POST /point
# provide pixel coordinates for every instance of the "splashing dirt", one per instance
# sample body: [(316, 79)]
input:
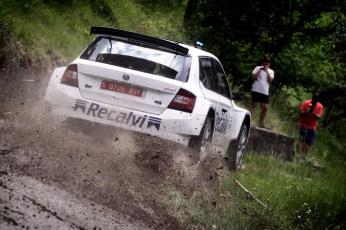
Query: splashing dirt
[(119, 170)]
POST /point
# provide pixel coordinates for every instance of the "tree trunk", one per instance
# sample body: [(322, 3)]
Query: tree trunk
[(190, 9)]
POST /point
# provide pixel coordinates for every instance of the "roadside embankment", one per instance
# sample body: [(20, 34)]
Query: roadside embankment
[(268, 142)]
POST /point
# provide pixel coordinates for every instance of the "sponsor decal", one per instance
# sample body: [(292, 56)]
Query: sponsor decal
[(131, 119), (230, 124), (169, 90), (126, 77), (80, 104), (153, 121), (221, 123)]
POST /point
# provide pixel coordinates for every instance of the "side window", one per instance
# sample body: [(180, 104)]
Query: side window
[(222, 83), (207, 74)]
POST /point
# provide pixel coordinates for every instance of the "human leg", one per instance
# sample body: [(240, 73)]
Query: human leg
[(263, 100), (306, 139), (253, 107), (305, 148), (302, 138), (310, 139), (254, 101), (264, 109)]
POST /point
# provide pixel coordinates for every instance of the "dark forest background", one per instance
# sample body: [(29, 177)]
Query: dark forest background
[(305, 40)]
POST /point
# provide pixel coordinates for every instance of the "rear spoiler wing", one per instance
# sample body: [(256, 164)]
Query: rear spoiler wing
[(131, 36)]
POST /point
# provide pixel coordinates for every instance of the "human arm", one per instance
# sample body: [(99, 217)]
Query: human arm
[(318, 110), (306, 107), (315, 110), (256, 72), (270, 74)]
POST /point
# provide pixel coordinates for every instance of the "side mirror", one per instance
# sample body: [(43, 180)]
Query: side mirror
[(237, 96)]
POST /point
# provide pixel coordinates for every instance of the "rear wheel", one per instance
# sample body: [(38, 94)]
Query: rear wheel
[(236, 150), (200, 142)]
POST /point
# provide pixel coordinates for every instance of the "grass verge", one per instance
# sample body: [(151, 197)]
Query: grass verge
[(299, 195), (61, 28), (303, 194)]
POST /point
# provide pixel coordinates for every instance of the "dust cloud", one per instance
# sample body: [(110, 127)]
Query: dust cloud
[(117, 169)]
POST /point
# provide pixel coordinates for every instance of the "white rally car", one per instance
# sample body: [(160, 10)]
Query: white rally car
[(155, 86)]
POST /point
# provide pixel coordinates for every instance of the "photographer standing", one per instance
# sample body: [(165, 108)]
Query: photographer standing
[(310, 112), (262, 76)]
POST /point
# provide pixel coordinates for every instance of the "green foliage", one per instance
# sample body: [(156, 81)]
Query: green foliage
[(12, 55), (158, 20), (7, 46), (44, 28), (47, 27), (331, 146), (298, 194), (305, 39), (102, 9), (335, 44), (308, 195), (225, 212)]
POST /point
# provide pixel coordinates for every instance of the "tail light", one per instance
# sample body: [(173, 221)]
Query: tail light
[(183, 101), (70, 76)]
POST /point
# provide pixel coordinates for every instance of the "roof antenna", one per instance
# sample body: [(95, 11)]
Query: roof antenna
[(198, 44)]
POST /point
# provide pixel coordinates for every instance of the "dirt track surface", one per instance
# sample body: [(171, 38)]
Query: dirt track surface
[(72, 174), (30, 204)]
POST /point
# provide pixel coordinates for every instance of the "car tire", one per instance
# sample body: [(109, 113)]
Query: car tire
[(200, 142), (236, 149)]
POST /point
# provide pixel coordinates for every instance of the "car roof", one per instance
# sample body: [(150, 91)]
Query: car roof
[(193, 51)]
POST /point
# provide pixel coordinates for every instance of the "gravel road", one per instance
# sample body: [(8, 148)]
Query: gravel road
[(68, 174)]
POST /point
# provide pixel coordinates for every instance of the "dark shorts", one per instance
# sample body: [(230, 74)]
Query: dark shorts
[(307, 136), (259, 97)]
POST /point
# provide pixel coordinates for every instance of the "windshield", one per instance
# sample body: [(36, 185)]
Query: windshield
[(138, 56)]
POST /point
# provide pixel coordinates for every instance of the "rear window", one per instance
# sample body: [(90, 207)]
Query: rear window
[(138, 56)]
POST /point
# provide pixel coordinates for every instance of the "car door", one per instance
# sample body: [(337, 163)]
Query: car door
[(214, 89), (224, 121)]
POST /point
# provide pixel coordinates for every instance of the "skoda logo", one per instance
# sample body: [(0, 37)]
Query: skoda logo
[(126, 77)]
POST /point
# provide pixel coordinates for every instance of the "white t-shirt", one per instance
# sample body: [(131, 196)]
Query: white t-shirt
[(261, 85)]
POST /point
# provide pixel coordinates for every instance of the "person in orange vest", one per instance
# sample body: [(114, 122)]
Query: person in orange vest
[(310, 112)]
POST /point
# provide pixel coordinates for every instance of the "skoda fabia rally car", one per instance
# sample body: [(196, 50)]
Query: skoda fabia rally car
[(154, 86)]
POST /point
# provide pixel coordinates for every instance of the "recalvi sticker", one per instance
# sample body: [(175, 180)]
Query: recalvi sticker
[(131, 119)]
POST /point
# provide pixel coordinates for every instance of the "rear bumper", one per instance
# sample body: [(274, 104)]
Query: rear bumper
[(171, 124)]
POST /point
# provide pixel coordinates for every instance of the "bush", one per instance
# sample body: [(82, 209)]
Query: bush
[(11, 52), (102, 9)]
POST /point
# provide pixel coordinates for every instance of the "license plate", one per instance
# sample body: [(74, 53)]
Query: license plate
[(121, 88)]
